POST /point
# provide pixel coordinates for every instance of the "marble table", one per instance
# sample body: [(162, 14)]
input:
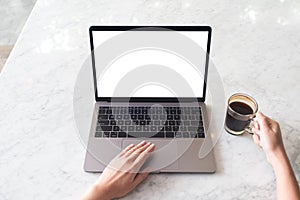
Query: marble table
[(256, 48)]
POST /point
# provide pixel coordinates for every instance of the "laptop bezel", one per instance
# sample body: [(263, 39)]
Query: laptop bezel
[(149, 28)]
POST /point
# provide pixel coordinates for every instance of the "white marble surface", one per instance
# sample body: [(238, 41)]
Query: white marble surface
[(14, 14), (256, 47)]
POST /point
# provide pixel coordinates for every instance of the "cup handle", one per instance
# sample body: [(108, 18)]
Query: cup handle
[(248, 129)]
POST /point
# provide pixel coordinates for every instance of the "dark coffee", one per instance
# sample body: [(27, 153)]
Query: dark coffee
[(241, 108), (234, 123)]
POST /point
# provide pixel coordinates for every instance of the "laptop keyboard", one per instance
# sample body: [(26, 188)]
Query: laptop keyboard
[(154, 122)]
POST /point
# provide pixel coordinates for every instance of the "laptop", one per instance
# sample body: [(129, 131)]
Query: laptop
[(146, 89)]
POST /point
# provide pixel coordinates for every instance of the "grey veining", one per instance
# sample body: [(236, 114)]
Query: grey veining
[(255, 48)]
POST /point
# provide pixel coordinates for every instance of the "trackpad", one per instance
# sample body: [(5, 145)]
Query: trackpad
[(164, 157)]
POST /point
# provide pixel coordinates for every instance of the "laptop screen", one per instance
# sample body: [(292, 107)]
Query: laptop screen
[(148, 71)]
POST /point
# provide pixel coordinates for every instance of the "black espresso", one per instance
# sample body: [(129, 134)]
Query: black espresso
[(234, 123)]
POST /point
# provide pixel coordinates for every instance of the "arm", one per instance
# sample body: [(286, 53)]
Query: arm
[(122, 174), (267, 135)]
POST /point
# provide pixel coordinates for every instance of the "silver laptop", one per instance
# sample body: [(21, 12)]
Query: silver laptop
[(150, 84)]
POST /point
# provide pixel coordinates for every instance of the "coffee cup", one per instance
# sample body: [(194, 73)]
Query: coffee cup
[(241, 110)]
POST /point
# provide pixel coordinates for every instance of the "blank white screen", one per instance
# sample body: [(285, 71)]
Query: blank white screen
[(124, 64)]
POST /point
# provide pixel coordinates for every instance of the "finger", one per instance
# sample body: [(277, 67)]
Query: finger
[(263, 120), (256, 140), (138, 151), (126, 149), (141, 176), (256, 125), (140, 160), (129, 147), (254, 131), (129, 152), (275, 126)]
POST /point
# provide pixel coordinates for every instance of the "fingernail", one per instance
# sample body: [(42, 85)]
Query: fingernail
[(142, 142)]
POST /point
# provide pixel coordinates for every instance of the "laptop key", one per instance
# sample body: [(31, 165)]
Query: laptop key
[(168, 128), (193, 135), (175, 128), (193, 128), (127, 122), (186, 123), (162, 117), (160, 134), (195, 111), (102, 117), (123, 128), (131, 134), (122, 134), (106, 128), (186, 135), (138, 128), (178, 135), (169, 134), (120, 122), (156, 122), (106, 134), (153, 128), (194, 123), (113, 134), (201, 135), (201, 123), (116, 128), (102, 111), (191, 117), (200, 130), (98, 134), (183, 128), (103, 122), (130, 128), (171, 123)]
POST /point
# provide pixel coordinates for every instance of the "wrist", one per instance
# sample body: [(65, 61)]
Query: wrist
[(277, 157), (103, 191), (97, 192)]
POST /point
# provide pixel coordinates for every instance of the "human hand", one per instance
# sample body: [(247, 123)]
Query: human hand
[(122, 174), (267, 135)]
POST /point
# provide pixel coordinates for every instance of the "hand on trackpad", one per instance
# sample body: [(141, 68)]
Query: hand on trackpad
[(165, 155)]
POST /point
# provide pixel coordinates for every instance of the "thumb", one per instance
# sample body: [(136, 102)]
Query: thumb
[(141, 176), (262, 120)]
